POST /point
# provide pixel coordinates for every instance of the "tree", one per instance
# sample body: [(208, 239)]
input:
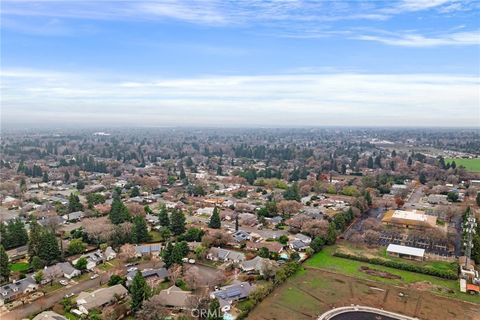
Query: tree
[(76, 246), (116, 279), (292, 192), (370, 163), (139, 291), (478, 199), (34, 239), (368, 198), (66, 177), (422, 178), (135, 192), (167, 255), (140, 230), (4, 266), (163, 217), (49, 250), (317, 244), (263, 252), (119, 212), (81, 263), (331, 234), (214, 312), (215, 222), (177, 222), (38, 276), (74, 203), (80, 185), (45, 177), (37, 263), (452, 196)]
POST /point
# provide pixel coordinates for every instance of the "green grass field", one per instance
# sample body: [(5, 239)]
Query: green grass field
[(19, 266), (325, 260), (472, 165)]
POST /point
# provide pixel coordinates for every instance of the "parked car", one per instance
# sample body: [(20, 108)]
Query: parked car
[(63, 282), (94, 276), (132, 269), (191, 261), (69, 295)]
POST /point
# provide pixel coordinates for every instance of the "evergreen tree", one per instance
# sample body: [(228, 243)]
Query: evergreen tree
[(81, 264), (331, 234), (135, 192), (34, 240), (139, 291), (45, 177), (368, 198), (478, 199), (4, 266), (140, 230), (370, 163), (167, 255), (74, 203), (37, 263), (80, 185), (119, 212), (422, 178), (215, 222), (177, 222), (183, 176), (177, 254), (409, 161), (163, 217), (49, 249), (292, 192), (66, 177), (219, 171)]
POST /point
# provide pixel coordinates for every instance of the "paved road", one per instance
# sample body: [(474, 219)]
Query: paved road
[(414, 198)]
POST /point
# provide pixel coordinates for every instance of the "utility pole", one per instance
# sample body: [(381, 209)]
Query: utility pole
[(469, 227)]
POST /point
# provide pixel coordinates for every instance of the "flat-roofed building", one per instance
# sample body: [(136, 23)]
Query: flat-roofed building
[(412, 219), (406, 252)]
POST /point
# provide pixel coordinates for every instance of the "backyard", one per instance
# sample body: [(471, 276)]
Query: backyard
[(19, 266)]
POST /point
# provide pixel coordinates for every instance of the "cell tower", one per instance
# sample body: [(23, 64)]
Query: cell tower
[(469, 227)]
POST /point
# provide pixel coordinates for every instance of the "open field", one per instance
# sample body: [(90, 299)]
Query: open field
[(325, 260), (312, 292), (472, 165)]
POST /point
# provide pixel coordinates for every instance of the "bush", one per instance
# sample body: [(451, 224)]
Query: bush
[(401, 265)]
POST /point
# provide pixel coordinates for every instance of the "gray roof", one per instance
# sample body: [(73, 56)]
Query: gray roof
[(66, 267), (77, 215), (12, 289), (298, 244), (224, 254), (148, 248), (160, 273), (253, 264), (234, 292), (241, 235)]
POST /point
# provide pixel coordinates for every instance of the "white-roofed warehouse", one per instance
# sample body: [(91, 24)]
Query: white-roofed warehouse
[(406, 252)]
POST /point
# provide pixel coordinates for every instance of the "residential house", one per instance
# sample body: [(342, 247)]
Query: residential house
[(148, 249), (93, 259), (305, 239), (69, 272), (256, 265), (87, 301), (73, 216), (12, 291), (109, 254), (298, 245), (272, 246), (219, 254), (228, 294), (174, 297), (151, 275), (49, 315), (241, 235)]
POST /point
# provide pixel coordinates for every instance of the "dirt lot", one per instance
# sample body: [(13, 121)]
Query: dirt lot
[(313, 292)]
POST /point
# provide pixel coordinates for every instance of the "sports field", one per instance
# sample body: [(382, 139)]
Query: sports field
[(472, 165)]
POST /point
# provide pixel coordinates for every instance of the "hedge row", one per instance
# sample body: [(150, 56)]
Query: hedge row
[(400, 265), (282, 274)]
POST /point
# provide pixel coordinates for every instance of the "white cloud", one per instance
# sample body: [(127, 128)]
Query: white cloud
[(417, 40), (290, 99)]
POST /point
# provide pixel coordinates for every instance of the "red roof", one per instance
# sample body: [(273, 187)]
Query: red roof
[(472, 287)]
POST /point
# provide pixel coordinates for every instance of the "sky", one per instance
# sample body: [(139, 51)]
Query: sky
[(247, 63)]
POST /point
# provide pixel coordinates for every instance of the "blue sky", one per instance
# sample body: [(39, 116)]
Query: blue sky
[(241, 63)]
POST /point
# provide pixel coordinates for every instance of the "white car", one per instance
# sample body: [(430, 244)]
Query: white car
[(133, 269), (191, 261), (63, 282), (94, 276), (69, 295)]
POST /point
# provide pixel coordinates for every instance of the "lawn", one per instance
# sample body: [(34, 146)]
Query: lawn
[(325, 260), (155, 236), (19, 266), (472, 165)]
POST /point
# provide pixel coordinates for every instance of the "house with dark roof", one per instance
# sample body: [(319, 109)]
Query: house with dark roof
[(241, 235), (229, 294), (10, 292), (93, 259), (298, 245), (148, 249), (49, 315)]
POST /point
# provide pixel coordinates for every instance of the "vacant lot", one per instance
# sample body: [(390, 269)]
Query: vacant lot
[(312, 292), (472, 165)]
